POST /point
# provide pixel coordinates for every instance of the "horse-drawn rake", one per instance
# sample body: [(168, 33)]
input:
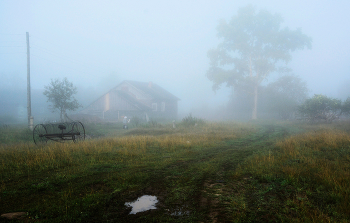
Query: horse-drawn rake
[(59, 132)]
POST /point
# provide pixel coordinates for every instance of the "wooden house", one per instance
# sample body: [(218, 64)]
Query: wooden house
[(133, 98)]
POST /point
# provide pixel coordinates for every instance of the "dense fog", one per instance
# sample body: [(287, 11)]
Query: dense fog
[(99, 44)]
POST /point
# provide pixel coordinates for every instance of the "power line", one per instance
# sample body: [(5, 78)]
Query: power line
[(38, 47), (56, 63), (10, 34), (43, 40), (12, 46), (64, 57), (55, 54), (11, 41), (14, 53)]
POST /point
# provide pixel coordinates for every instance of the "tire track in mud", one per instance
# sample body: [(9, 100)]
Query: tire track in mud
[(225, 159), (234, 154), (202, 202)]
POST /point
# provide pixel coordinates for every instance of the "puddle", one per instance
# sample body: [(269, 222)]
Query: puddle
[(143, 203)]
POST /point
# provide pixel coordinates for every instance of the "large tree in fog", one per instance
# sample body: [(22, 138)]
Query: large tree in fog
[(253, 45)]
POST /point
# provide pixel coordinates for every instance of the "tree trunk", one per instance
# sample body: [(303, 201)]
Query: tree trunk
[(255, 106), (61, 117)]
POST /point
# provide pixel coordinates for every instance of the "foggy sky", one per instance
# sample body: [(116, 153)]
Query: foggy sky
[(97, 44)]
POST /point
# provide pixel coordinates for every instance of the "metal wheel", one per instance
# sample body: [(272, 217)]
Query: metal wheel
[(78, 132), (49, 128), (38, 134)]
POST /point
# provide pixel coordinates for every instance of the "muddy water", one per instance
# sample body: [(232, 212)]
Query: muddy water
[(143, 203)]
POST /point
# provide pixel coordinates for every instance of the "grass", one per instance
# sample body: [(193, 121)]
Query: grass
[(301, 178), (214, 172), (312, 169), (15, 134)]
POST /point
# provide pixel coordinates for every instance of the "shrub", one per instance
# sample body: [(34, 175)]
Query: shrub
[(191, 121), (136, 121), (321, 107), (346, 107)]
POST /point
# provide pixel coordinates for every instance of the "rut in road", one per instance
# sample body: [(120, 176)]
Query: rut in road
[(193, 189), (217, 184)]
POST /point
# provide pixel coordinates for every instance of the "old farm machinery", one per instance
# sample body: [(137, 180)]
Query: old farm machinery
[(59, 132)]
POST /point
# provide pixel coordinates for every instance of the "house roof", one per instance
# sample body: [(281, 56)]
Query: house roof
[(132, 100), (153, 90), (150, 88)]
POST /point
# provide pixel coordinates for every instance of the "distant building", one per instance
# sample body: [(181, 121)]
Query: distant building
[(133, 98)]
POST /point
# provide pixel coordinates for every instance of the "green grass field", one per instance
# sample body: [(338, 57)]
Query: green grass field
[(214, 172)]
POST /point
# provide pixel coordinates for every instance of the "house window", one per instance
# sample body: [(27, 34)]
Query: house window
[(154, 106), (162, 107)]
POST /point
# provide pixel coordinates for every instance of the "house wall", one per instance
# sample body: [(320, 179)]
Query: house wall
[(170, 111), (112, 106), (110, 101)]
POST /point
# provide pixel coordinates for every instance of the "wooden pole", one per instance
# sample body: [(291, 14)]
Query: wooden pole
[(29, 106)]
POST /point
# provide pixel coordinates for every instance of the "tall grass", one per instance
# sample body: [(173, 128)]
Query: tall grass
[(24, 157), (15, 134), (317, 164), (76, 179)]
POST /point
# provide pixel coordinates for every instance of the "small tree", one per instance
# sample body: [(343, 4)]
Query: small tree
[(60, 94), (321, 107)]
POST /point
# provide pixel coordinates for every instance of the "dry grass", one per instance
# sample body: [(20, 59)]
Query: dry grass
[(24, 157), (301, 178), (318, 165), (79, 180)]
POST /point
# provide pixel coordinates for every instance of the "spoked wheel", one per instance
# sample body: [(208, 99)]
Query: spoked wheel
[(78, 132), (38, 134)]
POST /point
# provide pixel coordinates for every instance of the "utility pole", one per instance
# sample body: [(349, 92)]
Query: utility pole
[(29, 106)]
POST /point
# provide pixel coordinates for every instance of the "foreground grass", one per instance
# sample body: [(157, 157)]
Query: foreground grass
[(211, 173), (303, 178), (91, 181), (15, 134)]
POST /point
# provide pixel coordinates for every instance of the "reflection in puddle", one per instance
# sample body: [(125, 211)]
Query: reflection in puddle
[(143, 203)]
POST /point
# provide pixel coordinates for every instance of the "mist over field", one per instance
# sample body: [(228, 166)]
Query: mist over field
[(98, 44), (215, 111)]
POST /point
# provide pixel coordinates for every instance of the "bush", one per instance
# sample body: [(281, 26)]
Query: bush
[(135, 121), (191, 121), (321, 107), (346, 107)]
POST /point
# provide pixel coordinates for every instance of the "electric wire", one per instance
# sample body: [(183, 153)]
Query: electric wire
[(11, 34), (35, 46), (80, 71)]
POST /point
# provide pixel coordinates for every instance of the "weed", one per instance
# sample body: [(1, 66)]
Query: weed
[(191, 121)]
